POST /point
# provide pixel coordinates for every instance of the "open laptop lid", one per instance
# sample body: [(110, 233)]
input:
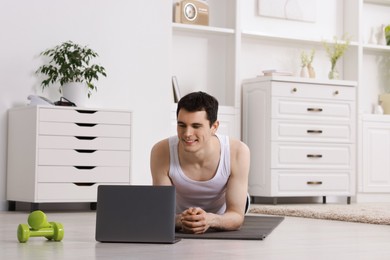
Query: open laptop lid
[(141, 214)]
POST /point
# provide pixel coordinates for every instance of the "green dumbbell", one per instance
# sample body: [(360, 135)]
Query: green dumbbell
[(40, 228)]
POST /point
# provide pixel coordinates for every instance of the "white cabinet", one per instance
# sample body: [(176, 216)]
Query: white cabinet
[(301, 134), (375, 177), (61, 154)]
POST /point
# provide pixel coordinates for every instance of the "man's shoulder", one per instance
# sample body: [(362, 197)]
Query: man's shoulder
[(236, 142), (161, 145), (237, 146)]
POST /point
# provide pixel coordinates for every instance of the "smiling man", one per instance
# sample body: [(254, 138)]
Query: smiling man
[(210, 171)]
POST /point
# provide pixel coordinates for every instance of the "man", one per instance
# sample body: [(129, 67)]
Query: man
[(209, 171)]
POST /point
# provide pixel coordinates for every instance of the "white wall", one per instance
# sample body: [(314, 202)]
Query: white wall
[(287, 56), (133, 39)]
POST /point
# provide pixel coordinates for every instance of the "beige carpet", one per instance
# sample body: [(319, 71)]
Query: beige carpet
[(372, 213)]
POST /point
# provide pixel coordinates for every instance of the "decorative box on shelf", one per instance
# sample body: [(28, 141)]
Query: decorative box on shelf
[(301, 133), (61, 154)]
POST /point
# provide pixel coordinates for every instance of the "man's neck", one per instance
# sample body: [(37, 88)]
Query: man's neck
[(202, 164)]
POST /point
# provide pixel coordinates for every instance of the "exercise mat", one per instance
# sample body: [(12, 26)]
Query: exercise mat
[(254, 228)]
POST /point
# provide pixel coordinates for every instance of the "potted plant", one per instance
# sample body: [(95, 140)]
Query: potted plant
[(307, 69), (335, 51), (70, 66), (387, 34)]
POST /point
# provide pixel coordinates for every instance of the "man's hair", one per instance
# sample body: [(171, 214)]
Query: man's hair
[(199, 101)]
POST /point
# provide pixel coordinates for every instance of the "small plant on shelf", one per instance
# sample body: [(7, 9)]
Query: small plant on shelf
[(387, 35), (335, 51), (306, 64)]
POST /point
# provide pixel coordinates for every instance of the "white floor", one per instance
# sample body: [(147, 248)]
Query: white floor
[(294, 238)]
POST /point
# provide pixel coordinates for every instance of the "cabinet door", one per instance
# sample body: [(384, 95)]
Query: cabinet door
[(376, 154)]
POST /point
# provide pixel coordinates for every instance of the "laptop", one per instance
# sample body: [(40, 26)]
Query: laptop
[(135, 214)]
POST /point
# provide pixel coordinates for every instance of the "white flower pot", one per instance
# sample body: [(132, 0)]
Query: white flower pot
[(76, 92)]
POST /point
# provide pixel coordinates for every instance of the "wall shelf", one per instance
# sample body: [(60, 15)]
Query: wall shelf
[(267, 36), (376, 48), (201, 29), (379, 2)]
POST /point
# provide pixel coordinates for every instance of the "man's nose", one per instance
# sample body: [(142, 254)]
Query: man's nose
[(188, 131)]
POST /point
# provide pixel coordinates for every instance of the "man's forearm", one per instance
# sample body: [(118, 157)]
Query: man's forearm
[(226, 221)]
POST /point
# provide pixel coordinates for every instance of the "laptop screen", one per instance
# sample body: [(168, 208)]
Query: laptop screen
[(130, 213)]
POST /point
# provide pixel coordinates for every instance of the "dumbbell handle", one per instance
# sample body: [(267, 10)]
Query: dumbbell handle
[(43, 232)]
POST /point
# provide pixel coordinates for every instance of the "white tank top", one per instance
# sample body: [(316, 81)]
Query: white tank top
[(208, 195)]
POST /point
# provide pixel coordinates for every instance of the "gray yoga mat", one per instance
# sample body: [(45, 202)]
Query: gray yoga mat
[(254, 228)]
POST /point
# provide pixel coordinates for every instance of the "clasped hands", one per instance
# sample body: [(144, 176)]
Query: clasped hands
[(194, 220)]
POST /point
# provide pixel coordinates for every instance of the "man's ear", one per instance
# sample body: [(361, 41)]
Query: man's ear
[(214, 127)]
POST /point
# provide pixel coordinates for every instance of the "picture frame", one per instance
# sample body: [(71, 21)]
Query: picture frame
[(298, 10), (176, 90)]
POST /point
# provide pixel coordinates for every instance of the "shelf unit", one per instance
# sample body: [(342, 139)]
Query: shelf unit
[(239, 43), (204, 58)]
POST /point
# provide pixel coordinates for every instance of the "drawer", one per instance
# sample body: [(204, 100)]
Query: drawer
[(312, 91), (295, 182), (72, 129), (285, 155), (312, 109), (83, 174), (73, 115), (312, 131), (83, 142), (68, 192), (83, 158)]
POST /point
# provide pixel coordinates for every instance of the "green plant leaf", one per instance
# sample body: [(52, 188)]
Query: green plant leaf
[(70, 62)]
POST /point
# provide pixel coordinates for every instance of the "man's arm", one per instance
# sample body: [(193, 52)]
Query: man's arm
[(159, 166), (196, 220), (159, 163), (237, 188)]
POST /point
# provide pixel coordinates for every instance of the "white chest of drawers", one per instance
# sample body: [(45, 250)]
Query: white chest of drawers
[(61, 154), (301, 134)]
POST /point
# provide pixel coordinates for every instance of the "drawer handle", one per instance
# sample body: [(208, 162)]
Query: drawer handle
[(336, 93), (84, 151), (86, 111), (294, 90), (312, 109), (84, 184), (85, 167), (86, 137), (314, 156), (314, 131), (85, 124), (314, 182)]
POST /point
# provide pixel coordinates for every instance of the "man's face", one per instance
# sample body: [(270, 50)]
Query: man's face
[(193, 129)]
